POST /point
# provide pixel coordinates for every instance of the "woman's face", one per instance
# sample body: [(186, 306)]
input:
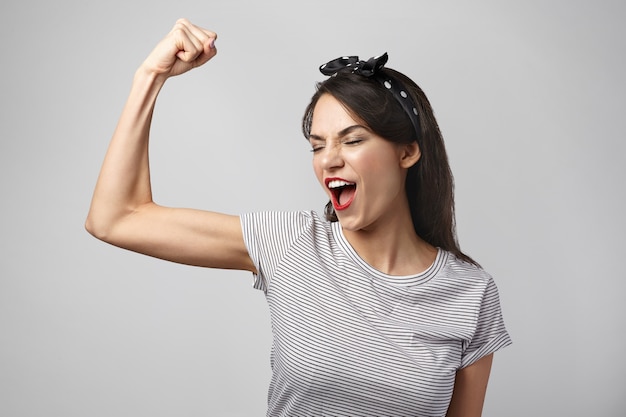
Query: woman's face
[(362, 173)]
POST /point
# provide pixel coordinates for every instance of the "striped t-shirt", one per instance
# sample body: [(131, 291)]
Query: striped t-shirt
[(349, 340)]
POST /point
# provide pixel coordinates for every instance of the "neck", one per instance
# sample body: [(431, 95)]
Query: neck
[(393, 247)]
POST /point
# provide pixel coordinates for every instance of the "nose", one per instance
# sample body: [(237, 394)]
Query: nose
[(331, 158)]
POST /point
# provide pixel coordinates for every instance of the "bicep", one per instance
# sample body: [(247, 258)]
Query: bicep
[(470, 387), (187, 236)]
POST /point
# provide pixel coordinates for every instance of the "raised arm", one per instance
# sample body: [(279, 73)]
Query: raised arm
[(122, 211)]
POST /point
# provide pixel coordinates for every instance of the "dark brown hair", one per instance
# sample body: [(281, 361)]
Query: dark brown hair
[(429, 183)]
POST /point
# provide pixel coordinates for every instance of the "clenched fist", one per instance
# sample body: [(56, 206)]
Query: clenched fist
[(185, 47)]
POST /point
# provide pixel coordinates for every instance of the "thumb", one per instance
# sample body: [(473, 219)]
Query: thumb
[(197, 54)]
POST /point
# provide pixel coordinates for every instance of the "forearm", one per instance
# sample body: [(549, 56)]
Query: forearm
[(124, 181)]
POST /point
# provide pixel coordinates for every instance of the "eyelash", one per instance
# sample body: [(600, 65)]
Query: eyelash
[(348, 142)]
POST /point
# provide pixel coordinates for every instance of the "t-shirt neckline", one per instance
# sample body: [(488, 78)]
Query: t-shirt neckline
[(400, 280)]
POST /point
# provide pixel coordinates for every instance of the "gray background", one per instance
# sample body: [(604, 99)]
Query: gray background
[(530, 96)]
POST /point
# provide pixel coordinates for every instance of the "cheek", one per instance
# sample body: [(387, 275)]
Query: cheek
[(376, 164), (383, 172)]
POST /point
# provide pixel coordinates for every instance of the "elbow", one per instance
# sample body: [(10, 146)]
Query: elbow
[(111, 226), (98, 227), (94, 229)]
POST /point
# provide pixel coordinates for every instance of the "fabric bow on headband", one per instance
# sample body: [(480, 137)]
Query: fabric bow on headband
[(367, 68), (372, 69)]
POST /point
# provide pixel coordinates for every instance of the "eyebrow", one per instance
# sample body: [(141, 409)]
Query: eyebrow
[(342, 132)]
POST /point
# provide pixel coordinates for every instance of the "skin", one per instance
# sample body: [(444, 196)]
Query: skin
[(470, 387), (344, 147), (123, 213)]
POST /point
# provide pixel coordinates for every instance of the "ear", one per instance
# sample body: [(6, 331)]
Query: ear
[(409, 154)]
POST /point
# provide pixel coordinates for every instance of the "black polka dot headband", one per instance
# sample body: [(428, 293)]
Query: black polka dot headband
[(372, 69)]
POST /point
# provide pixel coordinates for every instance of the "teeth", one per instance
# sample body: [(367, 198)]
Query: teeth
[(338, 183)]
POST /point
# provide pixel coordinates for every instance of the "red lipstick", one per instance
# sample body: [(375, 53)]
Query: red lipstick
[(342, 192)]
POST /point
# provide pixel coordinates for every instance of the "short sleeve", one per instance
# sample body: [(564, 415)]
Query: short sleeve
[(490, 333), (268, 236)]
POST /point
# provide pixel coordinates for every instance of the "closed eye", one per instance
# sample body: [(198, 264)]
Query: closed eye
[(316, 144), (354, 141)]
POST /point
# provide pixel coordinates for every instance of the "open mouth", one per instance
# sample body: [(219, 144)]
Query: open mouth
[(342, 192)]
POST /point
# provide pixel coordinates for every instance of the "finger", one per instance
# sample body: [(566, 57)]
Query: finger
[(202, 39), (205, 56), (211, 44), (189, 47), (206, 37)]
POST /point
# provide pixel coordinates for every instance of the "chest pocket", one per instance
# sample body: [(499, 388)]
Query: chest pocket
[(422, 326)]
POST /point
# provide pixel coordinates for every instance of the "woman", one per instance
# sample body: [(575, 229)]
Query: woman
[(375, 310)]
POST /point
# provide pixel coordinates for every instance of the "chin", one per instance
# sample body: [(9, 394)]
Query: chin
[(351, 224)]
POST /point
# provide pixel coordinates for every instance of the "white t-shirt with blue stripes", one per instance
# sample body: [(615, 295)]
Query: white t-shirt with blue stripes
[(349, 340)]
